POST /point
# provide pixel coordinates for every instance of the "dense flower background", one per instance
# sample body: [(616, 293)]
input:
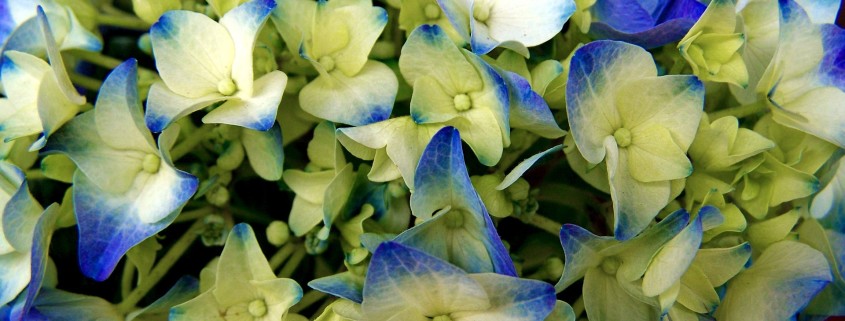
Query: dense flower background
[(422, 160)]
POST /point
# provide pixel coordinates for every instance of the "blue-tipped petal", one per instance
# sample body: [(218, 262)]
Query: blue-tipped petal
[(528, 110), (441, 177), (581, 252), (472, 243), (165, 106), (774, 287), (193, 53), (243, 23), (362, 99), (672, 261), (523, 166), (401, 280), (185, 289), (256, 112), (56, 61), (40, 246), (345, 285), (264, 151), (513, 298), (118, 114)]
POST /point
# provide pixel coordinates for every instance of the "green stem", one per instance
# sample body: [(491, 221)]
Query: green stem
[(108, 62), (35, 174), (308, 299), (126, 279), (545, 224), (277, 259), (740, 111), (578, 307), (293, 263), (194, 214), (85, 81), (161, 268), (123, 21), (187, 145)]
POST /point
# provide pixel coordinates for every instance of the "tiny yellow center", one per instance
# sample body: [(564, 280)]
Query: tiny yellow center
[(610, 265), (151, 163), (462, 102), (623, 137), (257, 308), (432, 11), (227, 87), (481, 12), (327, 63)]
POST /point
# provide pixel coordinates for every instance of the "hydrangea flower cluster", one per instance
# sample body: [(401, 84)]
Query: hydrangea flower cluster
[(396, 160)]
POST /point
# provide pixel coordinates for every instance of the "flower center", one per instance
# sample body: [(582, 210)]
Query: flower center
[(327, 63), (481, 12), (257, 308), (462, 102), (454, 219), (227, 87), (623, 137), (151, 163), (610, 265), (432, 11)]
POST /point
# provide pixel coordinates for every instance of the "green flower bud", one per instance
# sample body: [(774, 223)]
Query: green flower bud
[(151, 10), (218, 196), (145, 44), (214, 232), (278, 233), (518, 191)]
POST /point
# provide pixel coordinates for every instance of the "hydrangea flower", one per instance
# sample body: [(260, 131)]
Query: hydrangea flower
[(805, 83), (126, 189), (640, 124), (41, 97), (202, 62), (245, 287), (455, 224), (336, 37), (644, 23), (487, 24), (404, 283), (456, 88), (322, 193), (712, 45), (622, 279), (19, 27)]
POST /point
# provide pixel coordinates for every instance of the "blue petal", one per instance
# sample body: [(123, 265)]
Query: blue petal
[(832, 67), (528, 110), (668, 25), (514, 298), (401, 278), (40, 246), (345, 285), (580, 250), (185, 289), (109, 225), (441, 178)]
